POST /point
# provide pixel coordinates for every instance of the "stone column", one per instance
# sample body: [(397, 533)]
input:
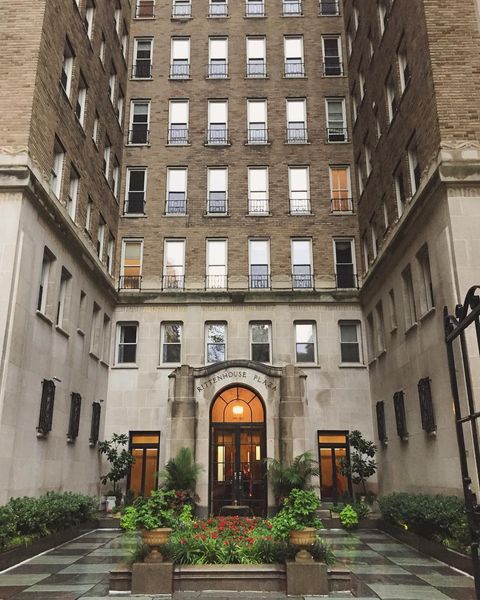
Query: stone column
[(292, 413), (183, 411)]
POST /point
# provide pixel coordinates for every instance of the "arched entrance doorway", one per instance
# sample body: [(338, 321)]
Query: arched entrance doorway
[(237, 451)]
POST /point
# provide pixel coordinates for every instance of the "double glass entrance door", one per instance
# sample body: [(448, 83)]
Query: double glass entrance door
[(238, 468)]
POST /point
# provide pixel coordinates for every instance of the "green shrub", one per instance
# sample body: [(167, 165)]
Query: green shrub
[(439, 518), (299, 511), (349, 517), (362, 509), (8, 525)]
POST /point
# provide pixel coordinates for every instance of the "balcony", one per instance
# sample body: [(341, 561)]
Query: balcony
[(337, 134), (180, 70), (217, 136), (257, 135), (176, 203), (135, 203), (258, 207), (297, 134), (259, 281), (299, 206), (142, 70), (218, 70), (173, 282), (178, 135), (256, 68), (302, 281), (138, 134), (218, 9), (346, 277), (216, 282), (329, 8), (217, 203), (182, 11), (294, 68), (130, 282), (292, 8), (145, 9), (255, 9), (333, 66), (342, 204)]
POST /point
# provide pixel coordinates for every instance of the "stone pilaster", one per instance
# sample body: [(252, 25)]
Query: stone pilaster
[(292, 413), (183, 411)]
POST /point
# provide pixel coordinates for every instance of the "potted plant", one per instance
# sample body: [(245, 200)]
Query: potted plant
[(180, 474), (156, 519), (298, 521), (120, 461)]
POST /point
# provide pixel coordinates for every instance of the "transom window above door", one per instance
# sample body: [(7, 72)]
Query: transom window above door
[(238, 405)]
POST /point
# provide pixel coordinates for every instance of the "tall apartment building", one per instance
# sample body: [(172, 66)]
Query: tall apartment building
[(416, 138)]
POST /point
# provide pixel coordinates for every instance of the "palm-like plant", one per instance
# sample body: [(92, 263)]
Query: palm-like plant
[(285, 477), (180, 474)]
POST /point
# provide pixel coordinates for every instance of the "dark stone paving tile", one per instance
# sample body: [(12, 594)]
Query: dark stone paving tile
[(393, 579), (458, 593), (101, 589), (29, 569), (47, 596), (65, 551), (440, 570), (7, 592), (74, 579)]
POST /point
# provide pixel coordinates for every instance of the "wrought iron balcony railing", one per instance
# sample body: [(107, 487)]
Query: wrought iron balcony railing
[(173, 282), (217, 136), (257, 135), (257, 69), (337, 134), (292, 8), (297, 134), (218, 9), (176, 204), (138, 134), (342, 204), (130, 282), (181, 11), (216, 282), (134, 203), (332, 67), (179, 70), (259, 282), (142, 69), (299, 206), (302, 281), (218, 70), (258, 207), (217, 203), (294, 68), (255, 9), (178, 135), (346, 278)]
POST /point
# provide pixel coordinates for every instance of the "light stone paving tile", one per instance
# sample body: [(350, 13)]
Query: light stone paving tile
[(456, 581), (415, 561), (407, 592), (346, 553), (13, 580), (390, 547), (385, 569), (55, 559), (60, 588), (109, 552), (82, 546), (85, 568)]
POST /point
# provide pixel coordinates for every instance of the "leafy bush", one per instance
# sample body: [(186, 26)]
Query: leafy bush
[(285, 477), (362, 509), (8, 525), (299, 511), (349, 517), (181, 473), (439, 518)]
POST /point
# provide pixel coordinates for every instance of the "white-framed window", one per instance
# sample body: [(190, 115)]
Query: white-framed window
[(174, 264), (110, 253), (329, 8), (299, 189), (366, 260), (336, 120), (216, 267), (414, 169), (257, 125), (107, 153), (292, 8), (379, 329), (258, 190), (218, 57), (350, 342), (294, 59), (67, 68), (215, 342), (403, 69), (368, 159), (145, 9), (373, 236), (178, 114), (386, 222), (181, 9), (302, 263), (256, 56), (427, 301), (81, 101), (102, 51), (89, 18), (115, 177), (139, 122), (340, 188), (101, 237), (107, 327), (305, 342), (400, 193), (382, 16), (261, 341), (117, 17), (176, 201), (409, 308), (56, 175), (62, 303), (392, 310), (47, 264), (142, 61), (218, 122), (218, 8), (297, 121), (391, 98), (95, 331), (353, 97), (73, 193), (356, 18), (124, 43), (217, 190), (332, 56), (120, 106), (112, 84), (259, 263), (131, 264), (171, 342), (360, 175), (345, 267), (361, 85), (135, 191), (95, 129), (88, 216), (254, 8), (127, 341), (180, 58)]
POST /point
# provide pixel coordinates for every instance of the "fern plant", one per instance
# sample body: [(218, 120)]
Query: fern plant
[(180, 474), (285, 477)]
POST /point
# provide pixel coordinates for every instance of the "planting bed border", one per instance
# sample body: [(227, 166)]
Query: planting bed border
[(16, 555)]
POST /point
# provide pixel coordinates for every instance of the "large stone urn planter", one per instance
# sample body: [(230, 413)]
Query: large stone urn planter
[(154, 538), (303, 539)]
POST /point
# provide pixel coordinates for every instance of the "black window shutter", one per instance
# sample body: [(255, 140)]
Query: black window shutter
[(74, 422), (426, 405), (95, 427), (400, 416), (46, 408), (381, 425)]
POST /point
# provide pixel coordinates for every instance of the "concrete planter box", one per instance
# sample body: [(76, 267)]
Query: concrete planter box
[(452, 558), (12, 557)]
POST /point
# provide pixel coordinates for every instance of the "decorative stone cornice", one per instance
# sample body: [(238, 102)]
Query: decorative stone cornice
[(232, 364)]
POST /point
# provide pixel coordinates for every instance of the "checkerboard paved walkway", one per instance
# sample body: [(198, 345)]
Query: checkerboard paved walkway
[(390, 570)]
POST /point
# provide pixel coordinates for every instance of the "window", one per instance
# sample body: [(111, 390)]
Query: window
[(81, 101), (297, 121), (400, 415), (107, 152), (56, 175), (414, 169), (256, 57), (410, 311), (356, 18), (368, 158), (88, 216), (218, 58), (332, 56), (178, 122), (95, 424), (294, 62), (257, 121), (254, 8), (127, 343), (361, 85), (89, 17), (110, 253), (131, 267), (379, 329), (47, 263), (174, 264), (142, 61), (259, 264), (120, 105), (329, 8), (217, 122), (124, 44), (180, 58), (176, 202), (47, 402), (427, 411), (381, 426), (382, 16), (215, 342), (171, 342), (299, 189), (373, 236), (218, 8), (115, 177), (72, 193), (139, 122), (392, 310), (105, 353), (67, 69), (63, 302), (258, 190), (74, 417), (333, 449), (400, 194), (378, 125), (340, 189), (261, 342), (344, 264), (103, 47), (292, 8), (403, 69), (112, 84), (302, 270), (370, 342), (366, 260), (136, 191), (182, 9), (350, 342), (336, 120), (216, 276), (426, 287), (145, 9), (217, 182), (391, 98), (305, 342), (95, 331), (96, 126), (101, 238)]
